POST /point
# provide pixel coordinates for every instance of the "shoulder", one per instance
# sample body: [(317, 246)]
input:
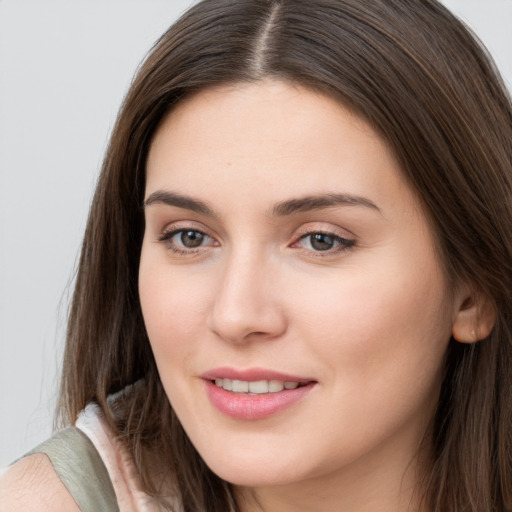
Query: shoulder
[(32, 484), (64, 473)]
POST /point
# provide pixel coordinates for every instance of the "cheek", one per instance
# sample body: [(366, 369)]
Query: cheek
[(381, 343), (379, 326), (174, 310)]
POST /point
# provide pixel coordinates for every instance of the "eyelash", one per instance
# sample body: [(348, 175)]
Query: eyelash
[(344, 244), (169, 235)]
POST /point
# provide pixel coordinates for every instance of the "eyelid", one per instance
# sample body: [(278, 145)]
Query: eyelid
[(324, 228), (183, 225), (171, 230), (346, 240), (169, 234)]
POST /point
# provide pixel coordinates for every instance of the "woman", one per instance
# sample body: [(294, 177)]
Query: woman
[(294, 288)]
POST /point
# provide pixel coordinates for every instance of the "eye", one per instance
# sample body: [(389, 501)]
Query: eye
[(189, 238), (324, 242), (183, 240)]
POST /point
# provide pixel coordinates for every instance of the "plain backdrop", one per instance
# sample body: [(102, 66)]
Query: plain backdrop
[(64, 69)]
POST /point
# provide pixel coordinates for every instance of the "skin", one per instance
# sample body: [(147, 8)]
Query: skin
[(369, 321), (31, 485)]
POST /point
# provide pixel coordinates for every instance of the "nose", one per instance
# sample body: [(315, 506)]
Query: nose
[(246, 305)]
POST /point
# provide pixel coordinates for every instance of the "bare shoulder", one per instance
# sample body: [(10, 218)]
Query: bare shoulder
[(32, 484)]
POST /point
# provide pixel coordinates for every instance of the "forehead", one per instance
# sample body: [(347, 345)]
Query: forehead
[(258, 111), (270, 138)]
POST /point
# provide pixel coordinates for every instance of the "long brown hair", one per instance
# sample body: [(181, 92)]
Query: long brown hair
[(413, 71)]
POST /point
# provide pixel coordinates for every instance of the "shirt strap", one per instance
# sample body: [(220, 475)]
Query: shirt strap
[(81, 469)]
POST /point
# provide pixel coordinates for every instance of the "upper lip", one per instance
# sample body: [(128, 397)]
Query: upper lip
[(253, 375)]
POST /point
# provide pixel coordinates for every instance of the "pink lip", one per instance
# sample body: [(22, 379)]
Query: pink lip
[(254, 407), (253, 374)]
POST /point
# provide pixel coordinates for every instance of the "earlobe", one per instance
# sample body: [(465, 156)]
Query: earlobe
[(474, 320)]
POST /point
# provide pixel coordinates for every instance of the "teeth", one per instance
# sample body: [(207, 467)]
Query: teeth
[(259, 387), (227, 384), (240, 386), (275, 386)]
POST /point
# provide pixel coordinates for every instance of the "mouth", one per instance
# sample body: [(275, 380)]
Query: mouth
[(256, 387), (255, 394)]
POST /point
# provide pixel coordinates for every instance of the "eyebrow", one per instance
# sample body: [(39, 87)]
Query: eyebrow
[(281, 209), (318, 202), (179, 200)]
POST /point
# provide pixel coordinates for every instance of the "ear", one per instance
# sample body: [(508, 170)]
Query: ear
[(475, 317)]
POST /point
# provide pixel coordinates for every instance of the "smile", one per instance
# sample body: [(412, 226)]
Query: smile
[(258, 387), (254, 394)]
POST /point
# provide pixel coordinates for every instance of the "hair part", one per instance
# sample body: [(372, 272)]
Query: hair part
[(261, 46), (416, 74)]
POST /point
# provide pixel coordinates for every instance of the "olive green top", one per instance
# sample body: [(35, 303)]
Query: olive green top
[(81, 470)]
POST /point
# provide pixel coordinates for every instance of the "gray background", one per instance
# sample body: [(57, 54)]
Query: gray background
[(64, 68)]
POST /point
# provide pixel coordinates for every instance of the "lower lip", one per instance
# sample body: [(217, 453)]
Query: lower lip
[(254, 407)]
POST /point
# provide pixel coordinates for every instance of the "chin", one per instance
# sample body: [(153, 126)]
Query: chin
[(244, 475), (256, 469)]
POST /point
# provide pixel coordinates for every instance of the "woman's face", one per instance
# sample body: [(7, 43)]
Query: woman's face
[(293, 299)]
